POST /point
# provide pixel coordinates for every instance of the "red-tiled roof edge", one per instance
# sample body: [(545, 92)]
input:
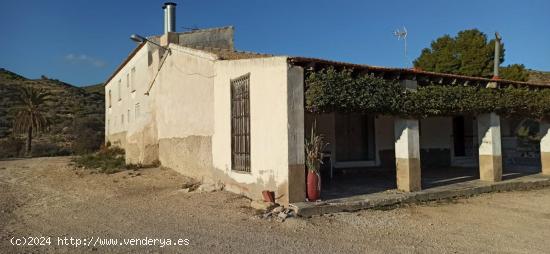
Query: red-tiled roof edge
[(297, 60), (126, 60)]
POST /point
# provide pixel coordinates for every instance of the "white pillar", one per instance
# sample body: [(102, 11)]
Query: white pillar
[(490, 155), (407, 154), (545, 148)]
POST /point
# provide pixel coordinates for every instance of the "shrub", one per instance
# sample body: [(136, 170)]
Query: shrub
[(154, 164), (11, 147), (48, 150), (108, 160), (88, 133)]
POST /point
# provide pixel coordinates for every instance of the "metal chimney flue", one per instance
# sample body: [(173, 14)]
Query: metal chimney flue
[(169, 17)]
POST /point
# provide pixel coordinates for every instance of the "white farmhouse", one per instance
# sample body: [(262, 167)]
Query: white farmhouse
[(204, 109)]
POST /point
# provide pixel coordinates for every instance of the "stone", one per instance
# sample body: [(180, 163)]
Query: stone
[(278, 209), (190, 185), (282, 215), (186, 190), (261, 205), (210, 187), (267, 215)]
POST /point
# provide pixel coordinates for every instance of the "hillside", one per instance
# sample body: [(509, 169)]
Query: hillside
[(97, 88), (539, 76), (74, 112)]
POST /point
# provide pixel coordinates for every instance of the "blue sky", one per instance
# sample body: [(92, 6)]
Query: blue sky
[(82, 42)]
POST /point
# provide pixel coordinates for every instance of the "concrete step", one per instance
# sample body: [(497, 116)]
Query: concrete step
[(391, 198)]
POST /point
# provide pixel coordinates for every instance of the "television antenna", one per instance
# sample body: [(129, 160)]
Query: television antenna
[(402, 35)]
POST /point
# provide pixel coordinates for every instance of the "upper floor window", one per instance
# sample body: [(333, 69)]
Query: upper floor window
[(133, 79), (109, 98), (127, 80), (149, 57), (136, 113), (119, 90)]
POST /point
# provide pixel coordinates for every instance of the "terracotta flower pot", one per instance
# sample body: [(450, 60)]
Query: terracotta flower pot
[(269, 196), (313, 186)]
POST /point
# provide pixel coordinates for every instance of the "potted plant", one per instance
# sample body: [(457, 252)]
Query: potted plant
[(314, 146)]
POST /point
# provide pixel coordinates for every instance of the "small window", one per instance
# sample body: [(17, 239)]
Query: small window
[(133, 79), (128, 116), (240, 123), (149, 57), (136, 113), (119, 90), (127, 80), (109, 98), (122, 119)]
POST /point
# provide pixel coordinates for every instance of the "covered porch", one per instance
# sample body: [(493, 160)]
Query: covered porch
[(360, 157), (406, 130)]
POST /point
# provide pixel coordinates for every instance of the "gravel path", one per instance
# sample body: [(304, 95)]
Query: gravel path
[(47, 197)]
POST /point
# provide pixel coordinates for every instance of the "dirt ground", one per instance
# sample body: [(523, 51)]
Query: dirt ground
[(46, 197)]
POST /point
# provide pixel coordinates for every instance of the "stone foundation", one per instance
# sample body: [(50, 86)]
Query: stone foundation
[(191, 156), (545, 161), (408, 174), (296, 184), (490, 168)]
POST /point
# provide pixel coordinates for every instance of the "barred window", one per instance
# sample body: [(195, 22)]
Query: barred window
[(240, 123)]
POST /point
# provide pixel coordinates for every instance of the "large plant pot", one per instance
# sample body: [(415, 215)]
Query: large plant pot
[(313, 186)]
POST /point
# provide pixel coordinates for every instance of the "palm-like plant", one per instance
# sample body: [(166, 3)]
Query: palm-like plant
[(314, 146), (31, 117)]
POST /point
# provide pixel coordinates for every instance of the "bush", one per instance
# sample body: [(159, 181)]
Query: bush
[(11, 147), (108, 160), (48, 150), (89, 136), (154, 164)]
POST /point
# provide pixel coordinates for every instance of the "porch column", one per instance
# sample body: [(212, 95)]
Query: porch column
[(407, 154), (545, 148), (490, 155)]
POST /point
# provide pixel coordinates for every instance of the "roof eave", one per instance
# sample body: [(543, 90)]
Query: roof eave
[(306, 61), (126, 60)]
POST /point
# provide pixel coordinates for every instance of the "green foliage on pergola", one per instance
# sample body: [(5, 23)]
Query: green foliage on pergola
[(331, 90)]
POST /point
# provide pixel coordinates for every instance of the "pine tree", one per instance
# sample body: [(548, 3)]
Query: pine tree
[(469, 53)]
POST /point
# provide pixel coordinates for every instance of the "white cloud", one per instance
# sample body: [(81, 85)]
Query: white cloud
[(84, 59)]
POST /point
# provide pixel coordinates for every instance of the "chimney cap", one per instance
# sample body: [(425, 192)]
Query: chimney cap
[(168, 3)]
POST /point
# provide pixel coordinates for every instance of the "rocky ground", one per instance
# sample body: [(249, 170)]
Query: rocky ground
[(46, 197)]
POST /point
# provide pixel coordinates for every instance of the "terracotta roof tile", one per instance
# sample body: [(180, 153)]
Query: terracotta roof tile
[(227, 54), (399, 71)]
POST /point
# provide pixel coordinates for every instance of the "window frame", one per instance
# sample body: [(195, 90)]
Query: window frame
[(240, 124)]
